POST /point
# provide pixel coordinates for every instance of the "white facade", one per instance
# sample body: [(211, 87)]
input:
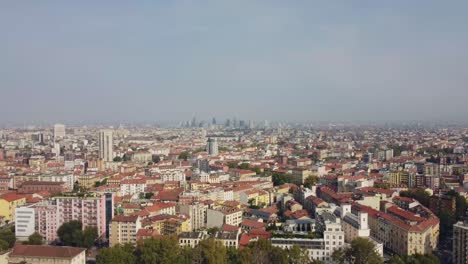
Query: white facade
[(197, 214), (106, 149), (132, 188), (177, 175), (24, 222), (320, 248), (59, 131)]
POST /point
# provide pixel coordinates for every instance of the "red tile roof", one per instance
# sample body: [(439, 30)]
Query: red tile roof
[(45, 251)]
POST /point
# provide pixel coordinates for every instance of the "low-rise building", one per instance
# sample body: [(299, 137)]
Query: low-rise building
[(34, 254)]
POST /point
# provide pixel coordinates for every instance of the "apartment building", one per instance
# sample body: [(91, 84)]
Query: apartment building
[(319, 248), (123, 229), (8, 203), (197, 213), (25, 224), (216, 218), (460, 243), (91, 210), (403, 232), (192, 239), (133, 186)]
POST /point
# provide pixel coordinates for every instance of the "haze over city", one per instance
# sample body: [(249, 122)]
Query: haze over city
[(145, 61)]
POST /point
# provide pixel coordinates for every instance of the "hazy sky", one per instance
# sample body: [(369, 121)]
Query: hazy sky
[(89, 61)]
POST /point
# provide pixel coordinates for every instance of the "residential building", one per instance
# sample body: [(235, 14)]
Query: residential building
[(460, 243), (35, 254), (123, 229), (8, 203), (59, 131), (197, 213), (25, 224), (216, 218), (106, 147), (212, 147), (319, 248), (90, 210)]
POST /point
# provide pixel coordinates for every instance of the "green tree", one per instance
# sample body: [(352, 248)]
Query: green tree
[(34, 239), (119, 254), (156, 159), (420, 195), (126, 157), (212, 251), (8, 236), (71, 234), (90, 234), (281, 178), (117, 159), (297, 255), (244, 166), (361, 251), (233, 256), (184, 155), (163, 250), (212, 230), (310, 181), (232, 164), (262, 252), (4, 245)]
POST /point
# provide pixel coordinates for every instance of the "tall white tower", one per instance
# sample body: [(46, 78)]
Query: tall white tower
[(106, 143), (212, 146), (59, 131)]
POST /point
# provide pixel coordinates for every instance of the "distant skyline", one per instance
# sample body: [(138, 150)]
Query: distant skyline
[(167, 61)]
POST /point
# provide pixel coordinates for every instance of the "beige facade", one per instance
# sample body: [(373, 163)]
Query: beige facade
[(123, 229)]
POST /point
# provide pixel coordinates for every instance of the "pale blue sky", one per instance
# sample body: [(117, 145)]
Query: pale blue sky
[(91, 61)]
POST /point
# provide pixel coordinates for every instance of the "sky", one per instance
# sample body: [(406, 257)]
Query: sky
[(150, 61)]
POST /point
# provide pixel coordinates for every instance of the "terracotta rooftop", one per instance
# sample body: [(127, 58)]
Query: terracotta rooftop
[(45, 251)]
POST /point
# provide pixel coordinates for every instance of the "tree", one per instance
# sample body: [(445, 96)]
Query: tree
[(163, 250), (262, 252), (212, 230), (71, 233), (212, 251), (233, 256), (117, 159), (119, 254), (244, 166), (420, 195), (8, 236), (232, 164), (281, 178), (184, 155), (4, 245), (361, 251), (34, 239), (156, 159), (297, 255), (126, 157), (90, 234), (310, 181)]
